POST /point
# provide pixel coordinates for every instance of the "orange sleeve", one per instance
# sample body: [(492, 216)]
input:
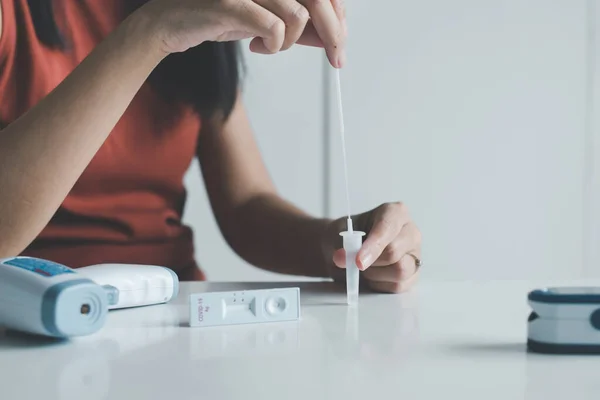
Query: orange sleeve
[(9, 32)]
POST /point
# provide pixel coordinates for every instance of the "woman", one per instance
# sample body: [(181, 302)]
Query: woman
[(104, 105)]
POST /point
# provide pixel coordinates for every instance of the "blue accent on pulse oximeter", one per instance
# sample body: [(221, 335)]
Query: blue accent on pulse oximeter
[(551, 295)]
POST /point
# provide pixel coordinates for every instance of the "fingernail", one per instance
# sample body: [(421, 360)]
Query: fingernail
[(365, 260), (341, 60)]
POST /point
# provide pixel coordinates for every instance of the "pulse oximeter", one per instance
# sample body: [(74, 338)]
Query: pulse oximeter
[(564, 320)]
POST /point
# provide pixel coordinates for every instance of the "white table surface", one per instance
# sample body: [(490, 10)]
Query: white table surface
[(440, 341)]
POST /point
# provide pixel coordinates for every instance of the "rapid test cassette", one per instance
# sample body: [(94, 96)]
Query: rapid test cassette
[(244, 307), (564, 320)]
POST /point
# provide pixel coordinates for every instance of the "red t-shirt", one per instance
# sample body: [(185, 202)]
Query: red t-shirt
[(127, 205)]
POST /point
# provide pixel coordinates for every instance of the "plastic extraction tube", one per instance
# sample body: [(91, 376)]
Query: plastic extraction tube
[(352, 242)]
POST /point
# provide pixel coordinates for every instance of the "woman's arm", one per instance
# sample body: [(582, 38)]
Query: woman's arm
[(43, 153), (272, 234), (259, 225)]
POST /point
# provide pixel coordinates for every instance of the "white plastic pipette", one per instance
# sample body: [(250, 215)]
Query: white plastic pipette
[(352, 240)]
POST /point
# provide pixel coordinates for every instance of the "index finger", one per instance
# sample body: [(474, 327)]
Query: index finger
[(340, 10), (386, 228), (329, 27)]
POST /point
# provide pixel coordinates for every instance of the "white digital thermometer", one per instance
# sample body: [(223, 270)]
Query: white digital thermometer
[(244, 307), (135, 285), (564, 320), (46, 298)]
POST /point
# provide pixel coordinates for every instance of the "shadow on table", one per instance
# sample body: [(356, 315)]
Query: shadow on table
[(324, 287), (498, 348), (12, 340)]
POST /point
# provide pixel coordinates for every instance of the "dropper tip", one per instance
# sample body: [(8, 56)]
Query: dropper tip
[(349, 224)]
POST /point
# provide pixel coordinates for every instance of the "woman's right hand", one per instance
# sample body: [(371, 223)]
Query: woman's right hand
[(274, 25)]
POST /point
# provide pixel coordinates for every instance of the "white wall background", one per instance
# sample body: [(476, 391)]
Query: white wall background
[(476, 113)]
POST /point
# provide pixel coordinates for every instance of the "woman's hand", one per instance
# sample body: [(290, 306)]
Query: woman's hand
[(392, 246), (275, 25)]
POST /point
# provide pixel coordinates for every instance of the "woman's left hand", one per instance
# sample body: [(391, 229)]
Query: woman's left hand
[(388, 258)]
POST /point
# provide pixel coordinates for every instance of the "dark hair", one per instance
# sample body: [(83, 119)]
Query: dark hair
[(205, 77)]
